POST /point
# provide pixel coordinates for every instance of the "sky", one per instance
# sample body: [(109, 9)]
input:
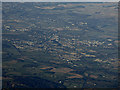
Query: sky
[(59, 0)]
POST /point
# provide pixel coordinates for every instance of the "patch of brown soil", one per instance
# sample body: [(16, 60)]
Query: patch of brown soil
[(93, 76), (75, 75), (46, 67), (62, 70)]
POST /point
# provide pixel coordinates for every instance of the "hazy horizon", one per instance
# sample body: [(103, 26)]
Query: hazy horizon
[(60, 0)]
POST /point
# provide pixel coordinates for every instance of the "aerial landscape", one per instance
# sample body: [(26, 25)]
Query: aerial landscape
[(59, 45)]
